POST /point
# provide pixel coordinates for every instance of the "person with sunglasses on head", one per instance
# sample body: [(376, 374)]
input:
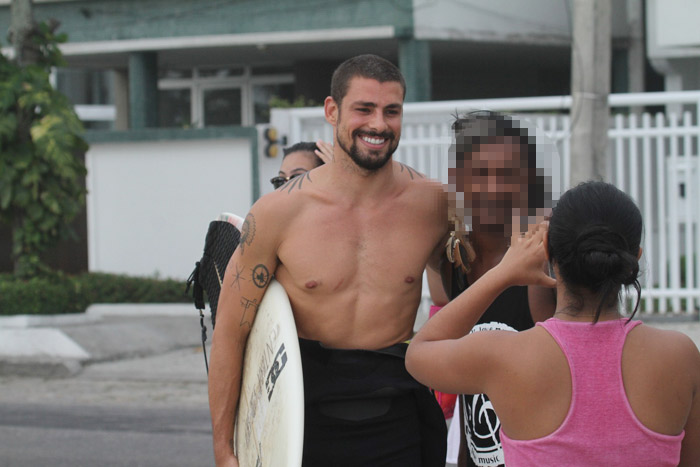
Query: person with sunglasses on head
[(589, 386), (299, 159), (349, 242)]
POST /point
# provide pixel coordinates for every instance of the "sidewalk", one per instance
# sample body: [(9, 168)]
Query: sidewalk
[(63, 345)]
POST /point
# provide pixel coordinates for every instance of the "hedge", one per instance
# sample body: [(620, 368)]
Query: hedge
[(73, 294)]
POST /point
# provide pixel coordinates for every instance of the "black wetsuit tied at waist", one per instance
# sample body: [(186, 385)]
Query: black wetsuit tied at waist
[(362, 408)]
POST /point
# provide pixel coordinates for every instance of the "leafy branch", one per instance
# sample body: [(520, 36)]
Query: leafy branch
[(41, 173)]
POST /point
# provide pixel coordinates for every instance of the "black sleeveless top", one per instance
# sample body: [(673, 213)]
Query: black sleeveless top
[(480, 429), (511, 307)]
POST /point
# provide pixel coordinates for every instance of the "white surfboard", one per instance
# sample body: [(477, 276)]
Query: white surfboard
[(270, 421)]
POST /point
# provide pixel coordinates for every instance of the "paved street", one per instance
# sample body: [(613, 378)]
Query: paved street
[(86, 436), (137, 412), (139, 398)]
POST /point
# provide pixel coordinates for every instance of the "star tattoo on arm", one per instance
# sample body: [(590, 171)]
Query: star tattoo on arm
[(237, 277)]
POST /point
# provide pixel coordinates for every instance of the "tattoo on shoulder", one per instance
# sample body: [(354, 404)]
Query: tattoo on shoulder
[(247, 232), (411, 171), (250, 308), (261, 276), (296, 182)]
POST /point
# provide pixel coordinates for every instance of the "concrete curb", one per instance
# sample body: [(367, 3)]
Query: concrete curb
[(46, 321), (49, 368), (96, 312), (61, 345), (40, 343), (143, 309)]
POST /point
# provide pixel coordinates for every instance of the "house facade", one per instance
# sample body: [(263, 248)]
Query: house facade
[(144, 74), (181, 63)]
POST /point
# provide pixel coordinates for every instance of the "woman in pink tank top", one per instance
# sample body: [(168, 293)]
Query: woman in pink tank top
[(587, 387)]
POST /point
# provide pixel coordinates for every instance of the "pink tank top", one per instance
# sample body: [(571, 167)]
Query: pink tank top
[(600, 428)]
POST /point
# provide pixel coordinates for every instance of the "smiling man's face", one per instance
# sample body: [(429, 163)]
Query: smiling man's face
[(369, 121)]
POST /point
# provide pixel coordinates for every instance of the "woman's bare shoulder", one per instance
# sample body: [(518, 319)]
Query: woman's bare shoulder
[(672, 345)]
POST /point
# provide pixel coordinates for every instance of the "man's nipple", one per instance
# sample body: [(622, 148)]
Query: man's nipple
[(311, 285), (409, 279)]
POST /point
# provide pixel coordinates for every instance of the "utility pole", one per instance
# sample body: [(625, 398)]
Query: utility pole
[(590, 86), (22, 27), (636, 57), (21, 30)]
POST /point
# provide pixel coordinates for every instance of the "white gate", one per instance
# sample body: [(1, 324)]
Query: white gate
[(652, 156)]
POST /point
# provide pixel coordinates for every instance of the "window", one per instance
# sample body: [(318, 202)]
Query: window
[(222, 107), (89, 90), (220, 96), (262, 94), (174, 108)]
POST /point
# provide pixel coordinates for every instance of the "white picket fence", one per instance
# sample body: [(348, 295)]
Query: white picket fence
[(652, 157)]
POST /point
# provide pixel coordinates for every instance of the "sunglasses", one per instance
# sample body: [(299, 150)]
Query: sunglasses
[(279, 181)]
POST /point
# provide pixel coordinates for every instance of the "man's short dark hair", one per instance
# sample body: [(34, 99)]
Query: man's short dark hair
[(304, 147), (366, 66)]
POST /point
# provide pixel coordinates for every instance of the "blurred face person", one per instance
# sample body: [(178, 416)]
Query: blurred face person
[(494, 181), (494, 174)]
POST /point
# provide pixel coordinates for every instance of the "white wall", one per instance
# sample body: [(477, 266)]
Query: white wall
[(150, 203), (672, 30), (534, 21), (673, 43), (545, 22), (675, 23)]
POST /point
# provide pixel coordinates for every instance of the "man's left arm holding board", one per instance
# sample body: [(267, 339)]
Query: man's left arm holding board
[(247, 277)]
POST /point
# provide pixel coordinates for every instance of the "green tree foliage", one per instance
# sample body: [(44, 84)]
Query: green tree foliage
[(41, 173)]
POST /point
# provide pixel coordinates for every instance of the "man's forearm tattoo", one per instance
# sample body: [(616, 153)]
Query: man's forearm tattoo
[(296, 182), (247, 232), (250, 307), (261, 276)]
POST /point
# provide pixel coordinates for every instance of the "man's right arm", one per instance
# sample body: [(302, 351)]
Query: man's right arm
[(247, 276)]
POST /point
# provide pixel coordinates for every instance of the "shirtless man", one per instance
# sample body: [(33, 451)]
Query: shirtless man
[(349, 242)]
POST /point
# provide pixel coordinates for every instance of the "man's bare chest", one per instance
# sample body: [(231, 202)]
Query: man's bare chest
[(332, 249)]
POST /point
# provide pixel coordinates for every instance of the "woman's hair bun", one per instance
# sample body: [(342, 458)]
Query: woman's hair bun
[(601, 254), (594, 236)]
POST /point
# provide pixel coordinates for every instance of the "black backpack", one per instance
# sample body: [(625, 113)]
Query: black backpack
[(208, 275)]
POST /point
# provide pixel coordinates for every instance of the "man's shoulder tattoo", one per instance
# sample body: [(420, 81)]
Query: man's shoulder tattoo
[(296, 183), (411, 171)]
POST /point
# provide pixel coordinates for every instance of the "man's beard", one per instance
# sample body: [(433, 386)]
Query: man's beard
[(372, 161)]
